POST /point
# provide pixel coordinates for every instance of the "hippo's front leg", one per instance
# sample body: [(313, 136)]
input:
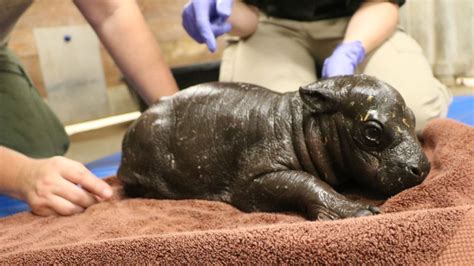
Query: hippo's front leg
[(297, 190)]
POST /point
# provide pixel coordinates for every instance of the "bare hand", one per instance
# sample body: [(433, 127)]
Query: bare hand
[(60, 186)]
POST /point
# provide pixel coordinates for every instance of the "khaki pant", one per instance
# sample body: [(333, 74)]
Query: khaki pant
[(27, 124), (283, 55)]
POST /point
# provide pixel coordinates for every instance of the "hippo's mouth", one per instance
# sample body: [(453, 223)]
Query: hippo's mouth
[(391, 184)]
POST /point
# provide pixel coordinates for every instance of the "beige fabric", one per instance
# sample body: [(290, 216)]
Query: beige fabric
[(282, 55), (10, 12)]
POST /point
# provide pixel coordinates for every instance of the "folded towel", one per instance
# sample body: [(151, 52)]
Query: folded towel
[(430, 223)]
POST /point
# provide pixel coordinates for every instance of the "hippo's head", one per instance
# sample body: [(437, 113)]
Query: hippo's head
[(374, 131)]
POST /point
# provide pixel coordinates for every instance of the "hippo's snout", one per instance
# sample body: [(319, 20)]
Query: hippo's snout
[(404, 176), (419, 170)]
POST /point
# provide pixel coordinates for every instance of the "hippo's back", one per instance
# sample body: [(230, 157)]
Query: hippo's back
[(189, 145)]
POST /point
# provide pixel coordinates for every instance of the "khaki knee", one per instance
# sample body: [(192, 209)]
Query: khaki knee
[(429, 107)]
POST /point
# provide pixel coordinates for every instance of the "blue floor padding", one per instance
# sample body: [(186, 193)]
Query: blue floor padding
[(462, 109), (106, 166)]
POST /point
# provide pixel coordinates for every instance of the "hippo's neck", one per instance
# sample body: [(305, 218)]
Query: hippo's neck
[(335, 142), (317, 144), (298, 136)]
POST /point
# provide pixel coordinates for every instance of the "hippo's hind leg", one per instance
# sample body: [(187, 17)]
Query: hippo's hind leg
[(297, 190), (129, 181), (136, 185)]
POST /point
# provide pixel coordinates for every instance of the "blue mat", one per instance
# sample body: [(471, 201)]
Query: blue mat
[(462, 109)]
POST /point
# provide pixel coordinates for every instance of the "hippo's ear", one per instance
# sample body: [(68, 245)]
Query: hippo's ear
[(321, 96)]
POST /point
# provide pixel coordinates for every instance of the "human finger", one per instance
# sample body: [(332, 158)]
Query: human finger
[(220, 29), (62, 206), (189, 23), (74, 194), (80, 175), (203, 24), (224, 7)]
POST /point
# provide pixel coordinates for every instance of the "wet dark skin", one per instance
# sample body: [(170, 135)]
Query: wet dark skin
[(264, 151)]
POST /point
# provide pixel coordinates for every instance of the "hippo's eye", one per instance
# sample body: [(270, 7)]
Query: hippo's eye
[(372, 133)]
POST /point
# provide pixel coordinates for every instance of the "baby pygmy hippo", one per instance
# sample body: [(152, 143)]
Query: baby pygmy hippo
[(264, 151)]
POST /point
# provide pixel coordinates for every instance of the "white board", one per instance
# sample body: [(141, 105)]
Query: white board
[(72, 72)]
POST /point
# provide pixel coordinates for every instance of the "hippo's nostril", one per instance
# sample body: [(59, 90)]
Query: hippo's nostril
[(416, 171)]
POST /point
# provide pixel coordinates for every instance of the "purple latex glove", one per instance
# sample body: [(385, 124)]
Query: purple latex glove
[(344, 59), (205, 20)]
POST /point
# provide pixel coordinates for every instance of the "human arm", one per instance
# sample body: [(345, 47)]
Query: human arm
[(122, 29), (204, 21), (372, 24), (244, 19), (50, 186)]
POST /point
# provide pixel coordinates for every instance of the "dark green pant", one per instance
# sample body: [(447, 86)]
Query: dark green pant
[(27, 124)]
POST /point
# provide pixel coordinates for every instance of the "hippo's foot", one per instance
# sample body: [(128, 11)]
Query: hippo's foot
[(347, 210)]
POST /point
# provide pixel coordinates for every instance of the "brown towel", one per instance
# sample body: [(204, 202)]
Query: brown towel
[(430, 223)]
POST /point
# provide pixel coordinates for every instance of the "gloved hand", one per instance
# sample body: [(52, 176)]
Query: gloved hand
[(344, 59), (205, 20)]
